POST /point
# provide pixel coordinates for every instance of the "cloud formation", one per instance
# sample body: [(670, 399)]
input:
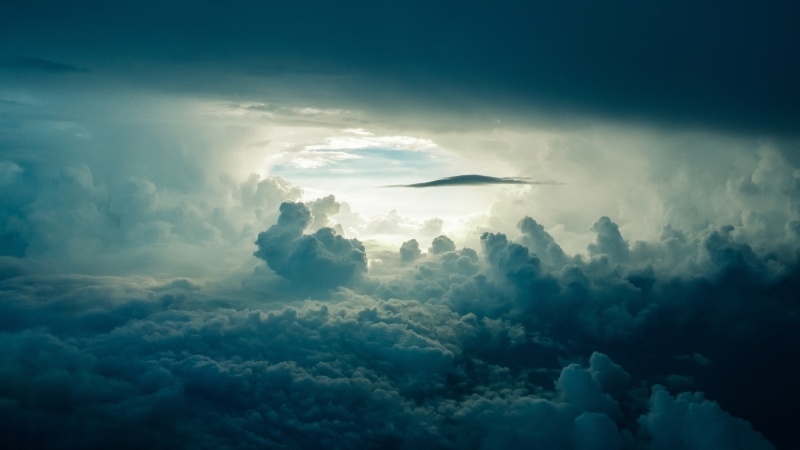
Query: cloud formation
[(472, 180), (560, 58), (38, 65), (322, 258), (166, 282), (355, 372), (517, 342)]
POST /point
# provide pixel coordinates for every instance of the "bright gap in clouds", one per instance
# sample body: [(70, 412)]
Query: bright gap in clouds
[(363, 169)]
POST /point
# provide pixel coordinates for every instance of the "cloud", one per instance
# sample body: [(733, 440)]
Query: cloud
[(525, 58), (689, 420), (442, 244), (134, 314), (467, 349), (472, 180), (609, 241), (322, 258), (38, 65), (360, 139), (353, 372), (410, 251)]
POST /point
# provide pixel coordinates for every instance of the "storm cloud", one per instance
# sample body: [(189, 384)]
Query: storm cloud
[(677, 63)]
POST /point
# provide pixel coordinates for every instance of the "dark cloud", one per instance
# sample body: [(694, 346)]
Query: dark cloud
[(354, 373), (410, 251), (472, 180), (678, 296), (609, 241), (681, 62), (442, 244), (322, 258)]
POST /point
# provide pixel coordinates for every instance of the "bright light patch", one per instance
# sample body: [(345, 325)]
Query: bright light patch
[(358, 138), (309, 159), (358, 166)]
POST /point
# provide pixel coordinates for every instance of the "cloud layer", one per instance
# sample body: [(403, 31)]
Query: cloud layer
[(518, 343), (688, 64)]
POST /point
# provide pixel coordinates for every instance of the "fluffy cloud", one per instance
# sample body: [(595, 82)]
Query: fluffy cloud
[(322, 258), (358, 372), (691, 421), (410, 251), (450, 349)]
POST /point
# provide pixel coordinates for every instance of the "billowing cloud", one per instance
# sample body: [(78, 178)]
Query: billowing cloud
[(410, 251), (442, 244), (467, 348), (358, 372), (322, 258)]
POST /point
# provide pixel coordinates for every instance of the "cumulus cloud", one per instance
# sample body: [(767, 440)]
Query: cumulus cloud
[(322, 258), (691, 421), (441, 356), (442, 244), (609, 241), (457, 346), (395, 373), (410, 251)]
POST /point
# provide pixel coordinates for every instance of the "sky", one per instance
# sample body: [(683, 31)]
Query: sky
[(429, 225)]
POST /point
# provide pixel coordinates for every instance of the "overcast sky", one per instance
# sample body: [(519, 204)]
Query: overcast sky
[(410, 224)]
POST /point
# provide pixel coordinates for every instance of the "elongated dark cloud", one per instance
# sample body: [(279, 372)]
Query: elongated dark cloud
[(473, 180)]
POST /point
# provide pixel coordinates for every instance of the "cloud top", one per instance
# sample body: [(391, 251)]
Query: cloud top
[(320, 259)]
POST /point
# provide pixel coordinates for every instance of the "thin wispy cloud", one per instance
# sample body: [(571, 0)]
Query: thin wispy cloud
[(473, 180), (38, 65)]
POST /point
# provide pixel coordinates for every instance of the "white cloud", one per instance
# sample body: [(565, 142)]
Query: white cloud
[(359, 139)]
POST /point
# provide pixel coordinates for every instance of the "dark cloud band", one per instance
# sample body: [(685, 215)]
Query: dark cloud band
[(473, 180)]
